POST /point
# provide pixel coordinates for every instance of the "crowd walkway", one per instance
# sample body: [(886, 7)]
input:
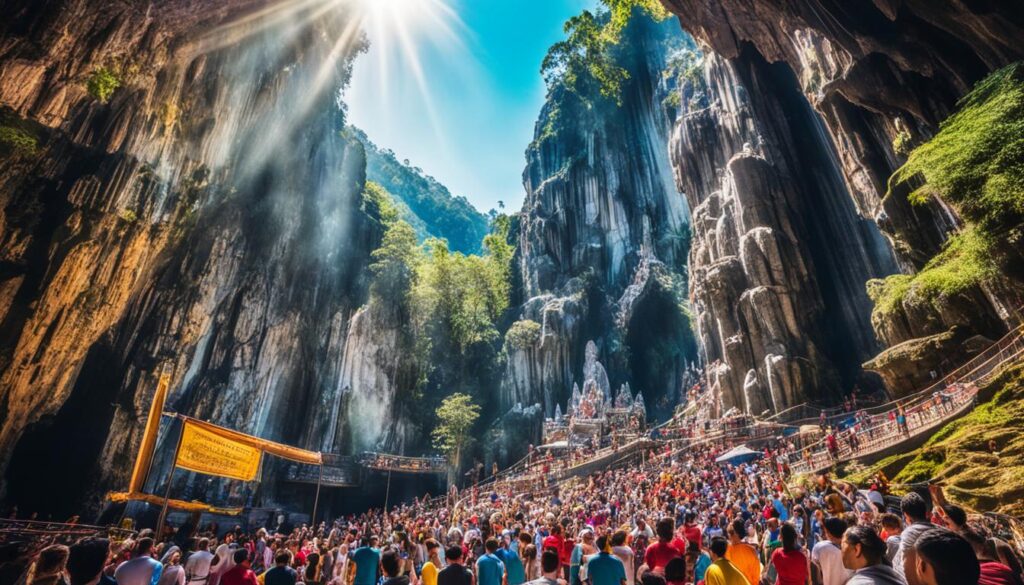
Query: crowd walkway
[(906, 420)]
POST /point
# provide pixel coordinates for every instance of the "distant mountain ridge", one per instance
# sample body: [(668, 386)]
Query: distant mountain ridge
[(422, 201)]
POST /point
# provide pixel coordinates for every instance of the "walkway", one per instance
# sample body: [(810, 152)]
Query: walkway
[(952, 397), (345, 470)]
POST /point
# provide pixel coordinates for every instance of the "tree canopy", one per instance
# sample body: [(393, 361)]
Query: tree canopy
[(583, 63)]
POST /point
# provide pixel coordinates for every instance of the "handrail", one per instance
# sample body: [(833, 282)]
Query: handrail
[(968, 373)]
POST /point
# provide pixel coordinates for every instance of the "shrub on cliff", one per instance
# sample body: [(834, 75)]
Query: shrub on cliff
[(522, 334), (964, 262), (976, 161), (102, 84), (18, 137), (17, 141)]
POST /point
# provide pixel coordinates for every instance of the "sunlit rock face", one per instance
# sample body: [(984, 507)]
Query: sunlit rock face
[(209, 216), (599, 200), (879, 74), (780, 255)]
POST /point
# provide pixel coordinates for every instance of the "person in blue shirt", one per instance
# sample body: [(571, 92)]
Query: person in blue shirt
[(698, 559), (489, 569), (780, 507), (605, 568), (367, 560), (508, 554)]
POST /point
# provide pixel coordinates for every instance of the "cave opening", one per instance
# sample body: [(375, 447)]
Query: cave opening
[(660, 346), (52, 467), (376, 489)]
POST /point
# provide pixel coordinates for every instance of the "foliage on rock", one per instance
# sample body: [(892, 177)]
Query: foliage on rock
[(965, 262), (522, 334), (584, 63), (102, 83), (976, 163), (18, 137)]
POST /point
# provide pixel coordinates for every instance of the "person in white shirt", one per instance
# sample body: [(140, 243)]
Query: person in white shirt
[(643, 528), (143, 569), (827, 555), (624, 554), (197, 566), (225, 561)]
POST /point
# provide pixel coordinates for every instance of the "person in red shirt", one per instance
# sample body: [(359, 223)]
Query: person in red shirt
[(241, 573), (993, 572), (660, 553), (789, 561), (690, 530), (557, 542)]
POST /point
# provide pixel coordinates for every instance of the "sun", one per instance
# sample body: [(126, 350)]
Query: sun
[(402, 34)]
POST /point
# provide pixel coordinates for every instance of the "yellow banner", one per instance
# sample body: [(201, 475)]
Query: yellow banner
[(206, 452)]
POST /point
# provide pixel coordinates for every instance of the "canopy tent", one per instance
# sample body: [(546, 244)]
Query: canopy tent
[(740, 454)]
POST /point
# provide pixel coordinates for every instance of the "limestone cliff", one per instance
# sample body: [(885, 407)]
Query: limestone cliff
[(780, 255), (191, 200), (604, 237), (882, 76)]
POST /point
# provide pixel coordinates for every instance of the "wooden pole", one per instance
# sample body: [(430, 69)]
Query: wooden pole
[(316, 499), (170, 478), (387, 492)]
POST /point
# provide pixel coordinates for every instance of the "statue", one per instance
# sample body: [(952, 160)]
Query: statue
[(594, 372), (625, 397)]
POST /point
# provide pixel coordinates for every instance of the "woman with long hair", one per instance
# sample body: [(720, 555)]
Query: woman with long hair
[(530, 563), (312, 576), (789, 561), (49, 566)]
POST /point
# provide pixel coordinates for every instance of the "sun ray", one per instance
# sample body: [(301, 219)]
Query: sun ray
[(401, 32)]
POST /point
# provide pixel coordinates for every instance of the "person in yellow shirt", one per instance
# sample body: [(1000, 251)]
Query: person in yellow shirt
[(741, 554), (428, 574), (722, 571)]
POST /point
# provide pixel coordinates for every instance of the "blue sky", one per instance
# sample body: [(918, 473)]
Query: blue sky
[(468, 116)]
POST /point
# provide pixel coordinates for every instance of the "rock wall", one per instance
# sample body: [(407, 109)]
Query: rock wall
[(780, 254), (209, 216), (882, 76), (599, 200)]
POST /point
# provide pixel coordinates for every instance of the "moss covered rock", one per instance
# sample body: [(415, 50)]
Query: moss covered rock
[(958, 456)]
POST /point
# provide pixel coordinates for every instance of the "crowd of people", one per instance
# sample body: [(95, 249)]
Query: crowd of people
[(677, 518)]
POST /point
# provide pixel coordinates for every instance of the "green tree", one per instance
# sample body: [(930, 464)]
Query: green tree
[(455, 419), (459, 298), (394, 265), (622, 10), (583, 62), (378, 204)]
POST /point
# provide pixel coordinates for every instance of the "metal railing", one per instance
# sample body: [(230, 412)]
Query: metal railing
[(922, 411)]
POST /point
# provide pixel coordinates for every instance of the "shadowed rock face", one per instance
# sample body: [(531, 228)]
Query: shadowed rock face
[(876, 73), (209, 216), (870, 68), (780, 255)]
